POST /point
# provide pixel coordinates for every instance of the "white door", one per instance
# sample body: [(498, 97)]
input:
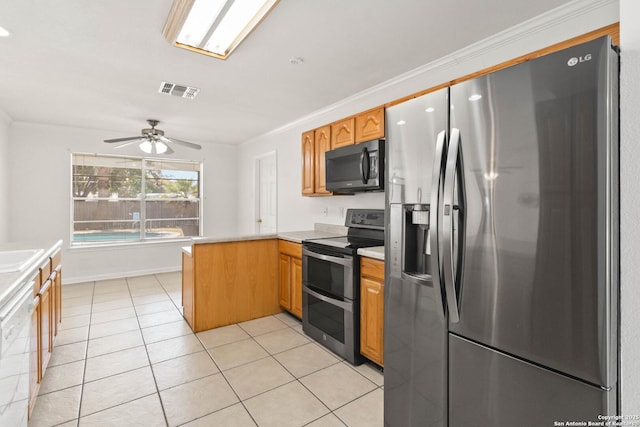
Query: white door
[(266, 194)]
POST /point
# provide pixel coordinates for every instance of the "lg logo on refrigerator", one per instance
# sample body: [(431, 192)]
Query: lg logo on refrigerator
[(574, 61)]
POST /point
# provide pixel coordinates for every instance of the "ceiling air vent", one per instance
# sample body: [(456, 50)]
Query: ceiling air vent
[(182, 91)]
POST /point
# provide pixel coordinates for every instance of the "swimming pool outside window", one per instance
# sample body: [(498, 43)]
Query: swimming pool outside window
[(126, 199)]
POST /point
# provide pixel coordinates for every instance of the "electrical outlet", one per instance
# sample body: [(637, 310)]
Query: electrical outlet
[(325, 211), (343, 212)]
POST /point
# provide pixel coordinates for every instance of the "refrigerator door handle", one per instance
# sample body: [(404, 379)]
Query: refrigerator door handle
[(434, 210), (448, 209)]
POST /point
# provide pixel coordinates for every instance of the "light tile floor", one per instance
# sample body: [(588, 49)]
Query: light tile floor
[(126, 357)]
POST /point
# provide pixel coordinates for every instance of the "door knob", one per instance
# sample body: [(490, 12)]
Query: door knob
[(259, 220)]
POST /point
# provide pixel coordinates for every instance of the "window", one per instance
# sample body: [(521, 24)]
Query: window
[(127, 199)]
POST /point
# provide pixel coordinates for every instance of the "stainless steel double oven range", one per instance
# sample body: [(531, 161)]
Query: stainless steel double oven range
[(331, 283)]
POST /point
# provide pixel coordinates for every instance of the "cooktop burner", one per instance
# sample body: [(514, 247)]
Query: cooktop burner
[(347, 242), (366, 229)]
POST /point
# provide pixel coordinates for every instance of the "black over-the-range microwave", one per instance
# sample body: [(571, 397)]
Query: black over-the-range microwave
[(356, 168)]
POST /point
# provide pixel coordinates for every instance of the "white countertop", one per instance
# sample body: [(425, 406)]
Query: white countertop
[(299, 236), (10, 283), (319, 231), (200, 240), (376, 252)]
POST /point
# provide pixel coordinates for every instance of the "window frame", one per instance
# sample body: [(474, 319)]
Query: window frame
[(142, 200)]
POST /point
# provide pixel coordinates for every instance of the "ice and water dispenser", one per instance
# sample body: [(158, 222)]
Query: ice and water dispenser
[(417, 250), (410, 241)]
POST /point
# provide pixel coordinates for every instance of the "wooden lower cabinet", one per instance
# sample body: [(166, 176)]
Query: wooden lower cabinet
[(46, 325), (187, 288), (290, 277), (45, 321), (229, 282), (372, 309), (35, 375)]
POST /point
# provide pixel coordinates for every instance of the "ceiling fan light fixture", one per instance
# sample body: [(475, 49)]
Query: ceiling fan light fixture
[(153, 147), (160, 147), (146, 146), (152, 140), (214, 27)]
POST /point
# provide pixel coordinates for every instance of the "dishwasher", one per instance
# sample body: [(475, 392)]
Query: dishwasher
[(15, 323)]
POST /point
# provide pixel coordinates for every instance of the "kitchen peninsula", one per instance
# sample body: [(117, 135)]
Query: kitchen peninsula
[(231, 280)]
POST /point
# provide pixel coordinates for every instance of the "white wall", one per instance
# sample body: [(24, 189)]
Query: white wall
[(298, 213), (630, 204), (5, 122), (40, 192)]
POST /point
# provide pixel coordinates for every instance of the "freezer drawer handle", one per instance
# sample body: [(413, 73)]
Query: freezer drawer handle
[(420, 279)]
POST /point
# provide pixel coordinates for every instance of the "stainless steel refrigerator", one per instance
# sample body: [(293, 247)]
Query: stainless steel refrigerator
[(501, 291)]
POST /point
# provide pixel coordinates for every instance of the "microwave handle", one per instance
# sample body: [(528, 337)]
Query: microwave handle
[(365, 171)]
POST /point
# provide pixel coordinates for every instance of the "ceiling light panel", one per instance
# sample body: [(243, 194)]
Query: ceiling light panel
[(214, 27)]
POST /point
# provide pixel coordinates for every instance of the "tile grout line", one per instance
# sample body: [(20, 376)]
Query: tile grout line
[(155, 382), (288, 326), (86, 353)]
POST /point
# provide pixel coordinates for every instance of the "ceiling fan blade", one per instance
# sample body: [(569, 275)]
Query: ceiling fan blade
[(180, 142), (130, 142), (131, 138)]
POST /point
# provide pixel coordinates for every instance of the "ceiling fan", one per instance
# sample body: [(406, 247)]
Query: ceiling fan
[(152, 140)]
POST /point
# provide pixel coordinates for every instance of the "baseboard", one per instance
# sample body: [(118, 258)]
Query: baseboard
[(67, 280)]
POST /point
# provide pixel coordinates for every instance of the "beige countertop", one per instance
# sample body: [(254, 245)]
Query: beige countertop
[(11, 282), (200, 240), (299, 236), (319, 231), (376, 252)]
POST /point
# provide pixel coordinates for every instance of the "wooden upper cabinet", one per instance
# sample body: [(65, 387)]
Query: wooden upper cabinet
[(308, 162), (370, 125), (342, 133), (322, 141)]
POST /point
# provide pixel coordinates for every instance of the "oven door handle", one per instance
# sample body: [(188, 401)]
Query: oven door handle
[(343, 261), (343, 305)]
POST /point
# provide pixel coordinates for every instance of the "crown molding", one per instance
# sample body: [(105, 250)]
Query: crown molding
[(564, 17)]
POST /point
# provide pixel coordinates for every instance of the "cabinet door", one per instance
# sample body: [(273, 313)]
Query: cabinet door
[(322, 139), (285, 281), (308, 162), (34, 355), (56, 279), (58, 298), (342, 133), (296, 286), (46, 324), (371, 319), (370, 125)]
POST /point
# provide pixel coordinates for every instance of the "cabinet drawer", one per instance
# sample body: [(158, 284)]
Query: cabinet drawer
[(373, 268), (41, 277), (289, 248)]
